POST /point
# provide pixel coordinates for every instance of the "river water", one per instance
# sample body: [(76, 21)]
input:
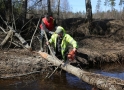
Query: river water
[(64, 82)]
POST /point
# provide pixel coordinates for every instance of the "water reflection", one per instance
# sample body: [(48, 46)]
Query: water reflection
[(111, 74), (64, 82), (18, 85), (76, 82), (112, 70)]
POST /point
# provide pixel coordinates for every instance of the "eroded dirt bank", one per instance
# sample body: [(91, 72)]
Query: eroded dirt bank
[(100, 49), (102, 42), (16, 62)]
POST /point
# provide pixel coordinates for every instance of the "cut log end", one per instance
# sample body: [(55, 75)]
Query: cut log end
[(43, 54)]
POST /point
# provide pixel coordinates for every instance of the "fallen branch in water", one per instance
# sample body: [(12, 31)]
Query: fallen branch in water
[(100, 81)]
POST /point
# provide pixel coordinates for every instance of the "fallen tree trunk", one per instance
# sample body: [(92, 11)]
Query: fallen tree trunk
[(6, 38), (25, 44), (10, 33), (100, 81)]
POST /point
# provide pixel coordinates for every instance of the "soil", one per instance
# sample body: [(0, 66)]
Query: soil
[(102, 42)]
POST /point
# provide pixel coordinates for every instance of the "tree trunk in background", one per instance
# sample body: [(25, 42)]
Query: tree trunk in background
[(89, 14), (24, 10), (58, 11), (88, 10), (49, 7), (8, 6)]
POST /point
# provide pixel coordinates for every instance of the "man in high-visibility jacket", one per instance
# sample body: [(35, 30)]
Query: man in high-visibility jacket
[(48, 25), (61, 42)]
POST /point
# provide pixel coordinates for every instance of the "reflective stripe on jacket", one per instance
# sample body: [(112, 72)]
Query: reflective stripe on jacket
[(67, 39), (49, 25)]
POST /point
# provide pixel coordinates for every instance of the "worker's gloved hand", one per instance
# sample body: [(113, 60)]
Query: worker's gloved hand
[(51, 32), (47, 43), (71, 54), (75, 50)]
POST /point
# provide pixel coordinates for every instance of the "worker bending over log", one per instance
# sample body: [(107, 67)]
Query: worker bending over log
[(61, 42)]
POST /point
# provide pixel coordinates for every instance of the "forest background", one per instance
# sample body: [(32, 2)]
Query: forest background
[(60, 9)]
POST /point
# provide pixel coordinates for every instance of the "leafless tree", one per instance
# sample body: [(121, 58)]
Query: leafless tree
[(8, 9), (24, 10), (58, 10), (49, 7), (88, 10)]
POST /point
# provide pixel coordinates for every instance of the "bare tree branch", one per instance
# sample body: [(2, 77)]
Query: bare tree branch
[(1, 28)]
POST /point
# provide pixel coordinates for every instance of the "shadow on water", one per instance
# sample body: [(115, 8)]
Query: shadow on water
[(64, 82)]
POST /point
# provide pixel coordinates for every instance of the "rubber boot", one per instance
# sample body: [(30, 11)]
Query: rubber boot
[(41, 46)]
